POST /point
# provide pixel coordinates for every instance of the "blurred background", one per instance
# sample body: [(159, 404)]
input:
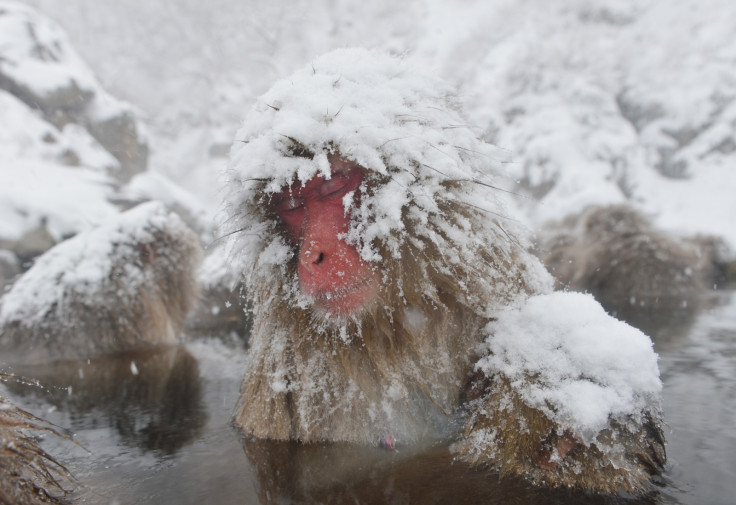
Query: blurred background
[(597, 101), (107, 103)]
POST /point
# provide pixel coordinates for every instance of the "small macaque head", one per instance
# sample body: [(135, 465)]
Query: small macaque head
[(316, 217)]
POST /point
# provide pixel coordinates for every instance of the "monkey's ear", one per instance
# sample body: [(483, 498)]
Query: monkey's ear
[(504, 433)]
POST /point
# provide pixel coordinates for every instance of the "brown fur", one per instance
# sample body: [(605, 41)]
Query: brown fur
[(28, 476), (428, 363), (635, 271)]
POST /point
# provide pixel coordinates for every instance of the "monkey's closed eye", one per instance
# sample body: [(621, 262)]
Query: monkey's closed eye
[(334, 186), (289, 204)]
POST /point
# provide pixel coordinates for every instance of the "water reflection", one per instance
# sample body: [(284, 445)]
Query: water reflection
[(699, 389), (670, 330), (152, 398), (292, 473)]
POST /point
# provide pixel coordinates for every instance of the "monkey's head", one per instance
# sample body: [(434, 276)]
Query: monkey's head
[(357, 185)]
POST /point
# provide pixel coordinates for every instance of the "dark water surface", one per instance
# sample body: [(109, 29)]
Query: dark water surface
[(154, 428)]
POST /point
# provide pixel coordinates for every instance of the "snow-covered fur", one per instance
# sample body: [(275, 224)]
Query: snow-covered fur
[(558, 370), (432, 220), (125, 285)]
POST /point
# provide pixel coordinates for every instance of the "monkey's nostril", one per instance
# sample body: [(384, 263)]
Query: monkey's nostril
[(319, 259)]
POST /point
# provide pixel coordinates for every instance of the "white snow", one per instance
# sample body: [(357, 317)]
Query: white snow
[(542, 79), (52, 177), (597, 98), (37, 187), (585, 366), (24, 131), (67, 199), (37, 52), (155, 186)]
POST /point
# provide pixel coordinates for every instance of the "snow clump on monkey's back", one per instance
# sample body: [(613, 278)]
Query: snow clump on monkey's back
[(589, 369)]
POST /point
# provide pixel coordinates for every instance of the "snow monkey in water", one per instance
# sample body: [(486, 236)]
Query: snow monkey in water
[(394, 301), (125, 285)]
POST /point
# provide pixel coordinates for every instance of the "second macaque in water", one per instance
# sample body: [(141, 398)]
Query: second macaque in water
[(380, 259)]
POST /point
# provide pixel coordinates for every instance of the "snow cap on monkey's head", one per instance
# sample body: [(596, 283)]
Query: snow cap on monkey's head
[(400, 123), (372, 108)]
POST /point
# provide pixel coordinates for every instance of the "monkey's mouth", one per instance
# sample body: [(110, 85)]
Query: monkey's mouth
[(347, 300)]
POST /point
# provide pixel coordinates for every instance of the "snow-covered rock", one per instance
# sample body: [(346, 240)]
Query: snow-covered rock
[(65, 143), (62, 200)]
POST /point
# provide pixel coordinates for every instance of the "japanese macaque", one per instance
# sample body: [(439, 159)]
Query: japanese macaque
[(28, 475), (635, 271), (125, 285), (376, 251)]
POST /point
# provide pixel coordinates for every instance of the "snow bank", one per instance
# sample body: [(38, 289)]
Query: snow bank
[(39, 66), (65, 144), (566, 357), (53, 178)]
